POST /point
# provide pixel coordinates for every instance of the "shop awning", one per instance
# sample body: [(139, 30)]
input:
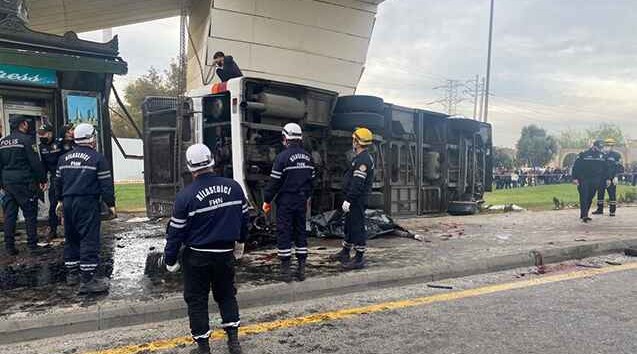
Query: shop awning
[(62, 62)]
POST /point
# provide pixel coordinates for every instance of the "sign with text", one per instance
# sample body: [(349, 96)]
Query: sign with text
[(24, 75)]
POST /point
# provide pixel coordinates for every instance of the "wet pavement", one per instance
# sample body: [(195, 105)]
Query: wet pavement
[(443, 239)]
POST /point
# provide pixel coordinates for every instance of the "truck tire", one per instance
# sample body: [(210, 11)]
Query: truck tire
[(457, 208), (355, 103), (350, 121)]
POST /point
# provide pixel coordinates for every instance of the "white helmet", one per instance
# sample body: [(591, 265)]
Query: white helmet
[(199, 157), (292, 131), (84, 133)]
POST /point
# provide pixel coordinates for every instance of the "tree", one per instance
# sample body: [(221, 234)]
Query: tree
[(504, 158), (573, 139), (153, 83), (605, 131), (535, 148)]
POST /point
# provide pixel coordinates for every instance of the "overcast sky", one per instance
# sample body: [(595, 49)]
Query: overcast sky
[(557, 63)]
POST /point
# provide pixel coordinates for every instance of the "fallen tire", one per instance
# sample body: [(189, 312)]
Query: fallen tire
[(355, 103), (459, 208), (350, 121)]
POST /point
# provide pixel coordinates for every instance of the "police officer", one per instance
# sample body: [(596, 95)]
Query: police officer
[(291, 184), (65, 140), (356, 186), (83, 176), (589, 171), (50, 152), (22, 174), (210, 218), (614, 167)]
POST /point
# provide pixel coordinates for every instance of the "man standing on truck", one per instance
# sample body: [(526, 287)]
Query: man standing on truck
[(210, 218), (613, 168), (50, 152), (21, 175), (291, 183), (589, 171), (83, 181), (356, 187), (227, 68)]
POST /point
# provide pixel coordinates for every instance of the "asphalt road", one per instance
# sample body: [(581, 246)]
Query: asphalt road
[(570, 310)]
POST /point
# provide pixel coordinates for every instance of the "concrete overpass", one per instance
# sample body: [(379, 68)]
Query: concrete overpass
[(320, 43)]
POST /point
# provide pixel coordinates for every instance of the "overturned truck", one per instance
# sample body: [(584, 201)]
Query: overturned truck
[(426, 162)]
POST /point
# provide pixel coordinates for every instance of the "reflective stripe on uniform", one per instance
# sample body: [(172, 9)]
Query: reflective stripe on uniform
[(360, 174), (299, 168), (12, 146), (231, 324), (72, 167), (177, 226), (215, 207), (202, 336), (211, 250)]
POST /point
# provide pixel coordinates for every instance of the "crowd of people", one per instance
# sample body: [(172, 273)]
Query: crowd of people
[(507, 179)]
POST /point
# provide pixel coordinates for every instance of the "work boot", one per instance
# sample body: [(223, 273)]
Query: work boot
[(342, 256), (300, 272), (203, 347), (586, 219), (357, 263), (91, 284), (598, 212), (286, 273), (612, 213), (72, 277), (233, 340), (52, 235)]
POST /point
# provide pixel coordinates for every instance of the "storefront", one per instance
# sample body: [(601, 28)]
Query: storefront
[(55, 79)]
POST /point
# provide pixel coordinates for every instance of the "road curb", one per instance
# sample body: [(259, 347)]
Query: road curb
[(122, 315)]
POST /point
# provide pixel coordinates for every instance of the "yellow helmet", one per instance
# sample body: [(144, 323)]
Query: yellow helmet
[(363, 136), (610, 142)]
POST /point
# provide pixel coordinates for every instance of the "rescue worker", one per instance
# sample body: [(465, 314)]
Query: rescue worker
[(227, 68), (22, 177), (65, 140), (83, 176), (613, 168), (291, 184), (50, 152), (210, 218), (589, 171), (356, 187)]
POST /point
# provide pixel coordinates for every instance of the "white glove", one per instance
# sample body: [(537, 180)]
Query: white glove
[(345, 206), (173, 268), (59, 209), (616, 181), (239, 248), (608, 183)]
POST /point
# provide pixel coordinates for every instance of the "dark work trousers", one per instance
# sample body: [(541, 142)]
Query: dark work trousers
[(612, 198), (202, 271), (601, 195), (355, 232), (587, 190), (82, 225), (290, 225), (23, 196), (53, 218)]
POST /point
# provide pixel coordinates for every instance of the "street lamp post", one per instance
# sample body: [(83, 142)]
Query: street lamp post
[(486, 93)]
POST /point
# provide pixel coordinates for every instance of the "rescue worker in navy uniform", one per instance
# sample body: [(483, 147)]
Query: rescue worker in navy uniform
[(356, 186), (291, 183), (210, 218), (21, 175), (65, 140), (83, 177), (50, 152), (227, 68), (614, 167), (589, 171)]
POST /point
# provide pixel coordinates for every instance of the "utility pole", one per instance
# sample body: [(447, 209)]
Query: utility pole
[(486, 96), (475, 97), (451, 98), (482, 94)]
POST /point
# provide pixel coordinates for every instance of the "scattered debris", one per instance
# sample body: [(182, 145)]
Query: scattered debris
[(585, 265), (421, 238), (503, 237), (438, 286), (331, 225), (613, 263), (631, 252), (539, 262), (507, 208), (580, 240), (138, 219)]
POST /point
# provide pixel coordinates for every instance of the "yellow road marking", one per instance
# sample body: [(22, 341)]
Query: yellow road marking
[(351, 312)]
